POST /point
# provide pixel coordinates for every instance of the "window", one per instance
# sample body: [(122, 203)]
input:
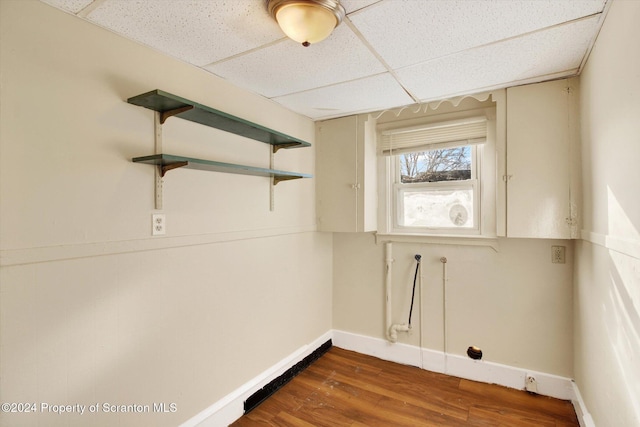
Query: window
[(437, 190), (439, 177)]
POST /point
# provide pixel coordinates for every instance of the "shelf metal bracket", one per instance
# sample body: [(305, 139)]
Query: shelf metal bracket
[(170, 113), (159, 173), (277, 179), (276, 147), (272, 184), (166, 168)]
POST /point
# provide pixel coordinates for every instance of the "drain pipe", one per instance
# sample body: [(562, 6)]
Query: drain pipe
[(392, 329)]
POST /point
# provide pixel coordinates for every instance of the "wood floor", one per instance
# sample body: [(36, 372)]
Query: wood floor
[(344, 388)]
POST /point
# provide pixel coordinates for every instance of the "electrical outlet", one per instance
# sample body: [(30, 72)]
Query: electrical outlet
[(530, 384), (158, 224), (557, 254)]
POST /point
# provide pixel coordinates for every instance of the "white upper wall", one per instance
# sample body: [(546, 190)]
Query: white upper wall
[(607, 271), (611, 130)]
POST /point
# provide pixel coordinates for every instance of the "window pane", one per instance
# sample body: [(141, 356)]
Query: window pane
[(447, 164), (438, 208)]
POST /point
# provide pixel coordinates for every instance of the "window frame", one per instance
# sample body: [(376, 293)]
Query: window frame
[(398, 188), (488, 191)]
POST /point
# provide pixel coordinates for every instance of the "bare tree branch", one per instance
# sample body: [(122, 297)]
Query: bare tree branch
[(432, 165)]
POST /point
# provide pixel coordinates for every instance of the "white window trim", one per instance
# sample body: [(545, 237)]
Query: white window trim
[(488, 194), (491, 242)]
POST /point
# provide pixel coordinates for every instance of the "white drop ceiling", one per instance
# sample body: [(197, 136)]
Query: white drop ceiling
[(386, 53)]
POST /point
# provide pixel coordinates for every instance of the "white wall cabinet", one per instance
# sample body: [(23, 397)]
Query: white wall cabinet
[(542, 136), (346, 174)]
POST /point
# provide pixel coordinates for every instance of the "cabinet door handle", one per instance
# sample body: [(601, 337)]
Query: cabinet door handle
[(355, 186)]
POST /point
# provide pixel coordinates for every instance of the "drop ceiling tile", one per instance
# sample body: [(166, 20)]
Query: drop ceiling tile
[(557, 50), (287, 67), (406, 32), (437, 48), (196, 31), (73, 6), (369, 94)]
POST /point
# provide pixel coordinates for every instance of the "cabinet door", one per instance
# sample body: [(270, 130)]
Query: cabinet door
[(345, 175), (539, 120), (336, 174)]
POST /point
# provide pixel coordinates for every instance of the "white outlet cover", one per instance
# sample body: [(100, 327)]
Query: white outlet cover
[(558, 254), (158, 225)]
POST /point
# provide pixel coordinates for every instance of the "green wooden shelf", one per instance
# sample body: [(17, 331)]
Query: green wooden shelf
[(171, 105), (169, 162)]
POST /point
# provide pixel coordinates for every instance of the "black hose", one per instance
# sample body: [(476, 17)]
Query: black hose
[(413, 294)]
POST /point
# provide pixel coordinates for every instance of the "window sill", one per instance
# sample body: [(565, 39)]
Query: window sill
[(491, 242)]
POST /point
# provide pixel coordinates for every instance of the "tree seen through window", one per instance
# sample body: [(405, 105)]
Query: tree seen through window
[(447, 164)]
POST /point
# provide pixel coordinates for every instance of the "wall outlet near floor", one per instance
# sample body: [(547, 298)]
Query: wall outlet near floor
[(557, 254), (159, 225), (530, 384)]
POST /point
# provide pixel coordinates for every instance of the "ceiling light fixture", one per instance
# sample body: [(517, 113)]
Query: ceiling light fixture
[(307, 21)]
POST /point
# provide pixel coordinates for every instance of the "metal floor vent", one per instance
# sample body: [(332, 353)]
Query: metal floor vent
[(259, 396)]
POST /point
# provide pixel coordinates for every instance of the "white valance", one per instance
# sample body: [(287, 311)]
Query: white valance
[(472, 130)]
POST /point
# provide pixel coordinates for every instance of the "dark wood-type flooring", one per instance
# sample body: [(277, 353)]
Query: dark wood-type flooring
[(344, 388)]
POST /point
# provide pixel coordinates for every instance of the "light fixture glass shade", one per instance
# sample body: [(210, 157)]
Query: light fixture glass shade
[(307, 21)]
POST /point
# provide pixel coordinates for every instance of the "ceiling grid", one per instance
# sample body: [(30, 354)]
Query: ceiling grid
[(387, 53)]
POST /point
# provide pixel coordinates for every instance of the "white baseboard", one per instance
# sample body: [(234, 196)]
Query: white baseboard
[(382, 349), (231, 407), (458, 366), (584, 417)]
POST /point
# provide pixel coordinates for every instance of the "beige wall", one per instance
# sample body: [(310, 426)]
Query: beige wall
[(93, 309), (607, 278), (514, 304)]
